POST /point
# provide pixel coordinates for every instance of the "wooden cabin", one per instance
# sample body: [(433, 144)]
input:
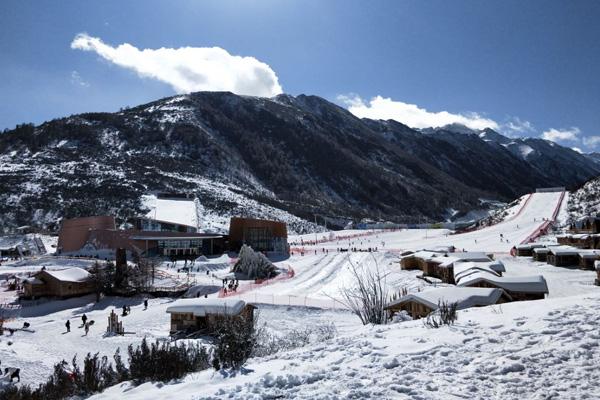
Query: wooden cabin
[(541, 254), (517, 288), (526, 250), (563, 256), (421, 304), (580, 240), (63, 283), (201, 314), (588, 258), (441, 265)]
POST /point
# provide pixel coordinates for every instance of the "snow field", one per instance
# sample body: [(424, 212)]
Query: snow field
[(547, 350)]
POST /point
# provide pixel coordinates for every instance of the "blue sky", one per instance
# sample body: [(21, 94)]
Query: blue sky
[(526, 68)]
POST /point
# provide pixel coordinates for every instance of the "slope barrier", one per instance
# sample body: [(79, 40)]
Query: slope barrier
[(289, 274)]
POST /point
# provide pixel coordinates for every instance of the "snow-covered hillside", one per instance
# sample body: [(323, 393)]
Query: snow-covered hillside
[(586, 200)]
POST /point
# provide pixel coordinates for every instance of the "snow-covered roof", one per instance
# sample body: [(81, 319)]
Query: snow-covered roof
[(597, 265), (441, 249), (463, 269), (580, 236), (529, 246), (589, 253), (564, 250), (541, 250), (462, 257), (525, 284), (200, 307), (177, 211), (465, 297), (70, 274), (426, 254)]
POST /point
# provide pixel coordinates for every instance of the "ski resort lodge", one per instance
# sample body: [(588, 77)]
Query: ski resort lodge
[(60, 283), (95, 235), (201, 314), (421, 304)]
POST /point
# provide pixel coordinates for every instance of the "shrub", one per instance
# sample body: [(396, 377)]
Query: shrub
[(444, 315), (163, 361), (157, 362), (368, 295), (235, 339)]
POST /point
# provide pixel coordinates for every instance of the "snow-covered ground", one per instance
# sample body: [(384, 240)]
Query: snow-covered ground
[(546, 349)]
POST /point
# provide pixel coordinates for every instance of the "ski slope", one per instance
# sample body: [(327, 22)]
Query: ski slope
[(526, 219), (322, 272)]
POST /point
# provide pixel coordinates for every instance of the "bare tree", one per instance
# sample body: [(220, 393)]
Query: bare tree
[(145, 272), (102, 278), (367, 295)]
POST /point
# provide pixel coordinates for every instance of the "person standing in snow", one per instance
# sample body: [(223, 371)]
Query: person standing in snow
[(68, 326), (84, 319), (145, 304), (87, 328)]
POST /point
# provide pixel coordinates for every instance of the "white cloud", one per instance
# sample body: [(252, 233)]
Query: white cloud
[(591, 141), (410, 114), (570, 134), (189, 69), (77, 80), (517, 126), (577, 149)]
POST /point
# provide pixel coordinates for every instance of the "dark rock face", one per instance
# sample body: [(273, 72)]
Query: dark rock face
[(303, 155)]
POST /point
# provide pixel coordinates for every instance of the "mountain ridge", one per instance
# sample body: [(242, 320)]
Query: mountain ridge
[(292, 157)]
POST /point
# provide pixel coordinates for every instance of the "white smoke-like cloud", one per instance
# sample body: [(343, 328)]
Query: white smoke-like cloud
[(411, 114), (189, 69), (558, 135)]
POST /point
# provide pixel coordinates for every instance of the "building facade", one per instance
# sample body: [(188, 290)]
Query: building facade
[(261, 235)]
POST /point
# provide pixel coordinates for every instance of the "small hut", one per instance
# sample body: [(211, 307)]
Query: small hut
[(201, 314), (421, 304), (587, 258), (59, 283), (563, 256)]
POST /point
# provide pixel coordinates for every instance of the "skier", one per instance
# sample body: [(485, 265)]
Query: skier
[(83, 318), (68, 325), (146, 303)]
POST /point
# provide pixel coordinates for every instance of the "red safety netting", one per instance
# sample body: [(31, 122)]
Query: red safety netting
[(288, 274)]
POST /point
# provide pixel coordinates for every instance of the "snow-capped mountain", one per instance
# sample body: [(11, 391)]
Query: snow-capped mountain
[(557, 163), (285, 157)]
